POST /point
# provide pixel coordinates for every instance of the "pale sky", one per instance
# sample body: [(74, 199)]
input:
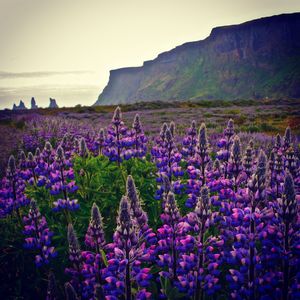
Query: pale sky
[(64, 49)]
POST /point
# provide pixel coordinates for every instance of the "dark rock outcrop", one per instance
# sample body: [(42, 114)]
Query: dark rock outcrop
[(253, 60), (33, 103), (21, 106), (53, 103)]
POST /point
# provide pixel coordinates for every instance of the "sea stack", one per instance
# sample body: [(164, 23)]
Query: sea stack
[(53, 103), (33, 103), (21, 106)]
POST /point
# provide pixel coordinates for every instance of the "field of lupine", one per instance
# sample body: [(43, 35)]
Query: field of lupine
[(124, 215)]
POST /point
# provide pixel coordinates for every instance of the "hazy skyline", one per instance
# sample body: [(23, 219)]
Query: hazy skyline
[(64, 49)]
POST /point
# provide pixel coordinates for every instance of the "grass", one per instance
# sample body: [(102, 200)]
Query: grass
[(208, 115), (232, 112), (160, 105)]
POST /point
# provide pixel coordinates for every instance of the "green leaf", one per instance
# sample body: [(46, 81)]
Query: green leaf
[(103, 255)]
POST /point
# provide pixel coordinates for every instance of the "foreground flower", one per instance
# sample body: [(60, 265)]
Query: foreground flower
[(39, 235), (126, 240), (94, 237), (70, 292), (190, 141), (174, 248), (62, 180), (257, 186), (235, 160), (140, 217), (225, 144), (116, 136), (203, 150), (137, 139), (52, 290), (12, 196), (288, 213), (196, 169), (167, 158), (75, 258)]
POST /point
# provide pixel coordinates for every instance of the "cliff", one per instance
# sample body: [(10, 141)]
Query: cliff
[(252, 60)]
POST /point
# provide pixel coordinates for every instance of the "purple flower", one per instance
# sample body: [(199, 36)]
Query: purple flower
[(167, 158), (75, 257), (173, 242), (99, 142), (248, 160), (235, 160), (287, 138), (140, 217), (118, 139), (70, 292), (94, 237), (291, 162), (39, 235), (52, 289), (190, 141), (83, 151), (225, 143), (196, 168), (137, 139), (124, 269), (12, 196), (66, 204), (61, 179)]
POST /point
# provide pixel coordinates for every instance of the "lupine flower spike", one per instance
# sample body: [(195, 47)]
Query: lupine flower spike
[(126, 239), (38, 235), (287, 139), (257, 186), (70, 292), (94, 237), (83, 152), (52, 290), (139, 215), (288, 212), (202, 150), (235, 161), (75, 258)]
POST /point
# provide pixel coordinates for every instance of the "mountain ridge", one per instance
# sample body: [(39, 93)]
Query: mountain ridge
[(252, 60)]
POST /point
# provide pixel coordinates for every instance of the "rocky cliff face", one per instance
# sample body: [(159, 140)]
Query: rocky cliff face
[(253, 60)]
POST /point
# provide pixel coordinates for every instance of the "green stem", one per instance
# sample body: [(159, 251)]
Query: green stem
[(286, 268)]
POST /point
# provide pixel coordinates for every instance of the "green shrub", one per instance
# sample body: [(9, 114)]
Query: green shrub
[(250, 128), (232, 112), (240, 120), (265, 127), (208, 115), (211, 125)]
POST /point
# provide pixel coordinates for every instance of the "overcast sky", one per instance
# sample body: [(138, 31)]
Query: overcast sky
[(64, 49)]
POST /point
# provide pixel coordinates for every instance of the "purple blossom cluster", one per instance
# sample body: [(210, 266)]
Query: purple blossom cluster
[(239, 239), (12, 196), (124, 143), (167, 158), (117, 141), (53, 170), (117, 269), (48, 169), (38, 235), (249, 246), (62, 182), (197, 160)]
